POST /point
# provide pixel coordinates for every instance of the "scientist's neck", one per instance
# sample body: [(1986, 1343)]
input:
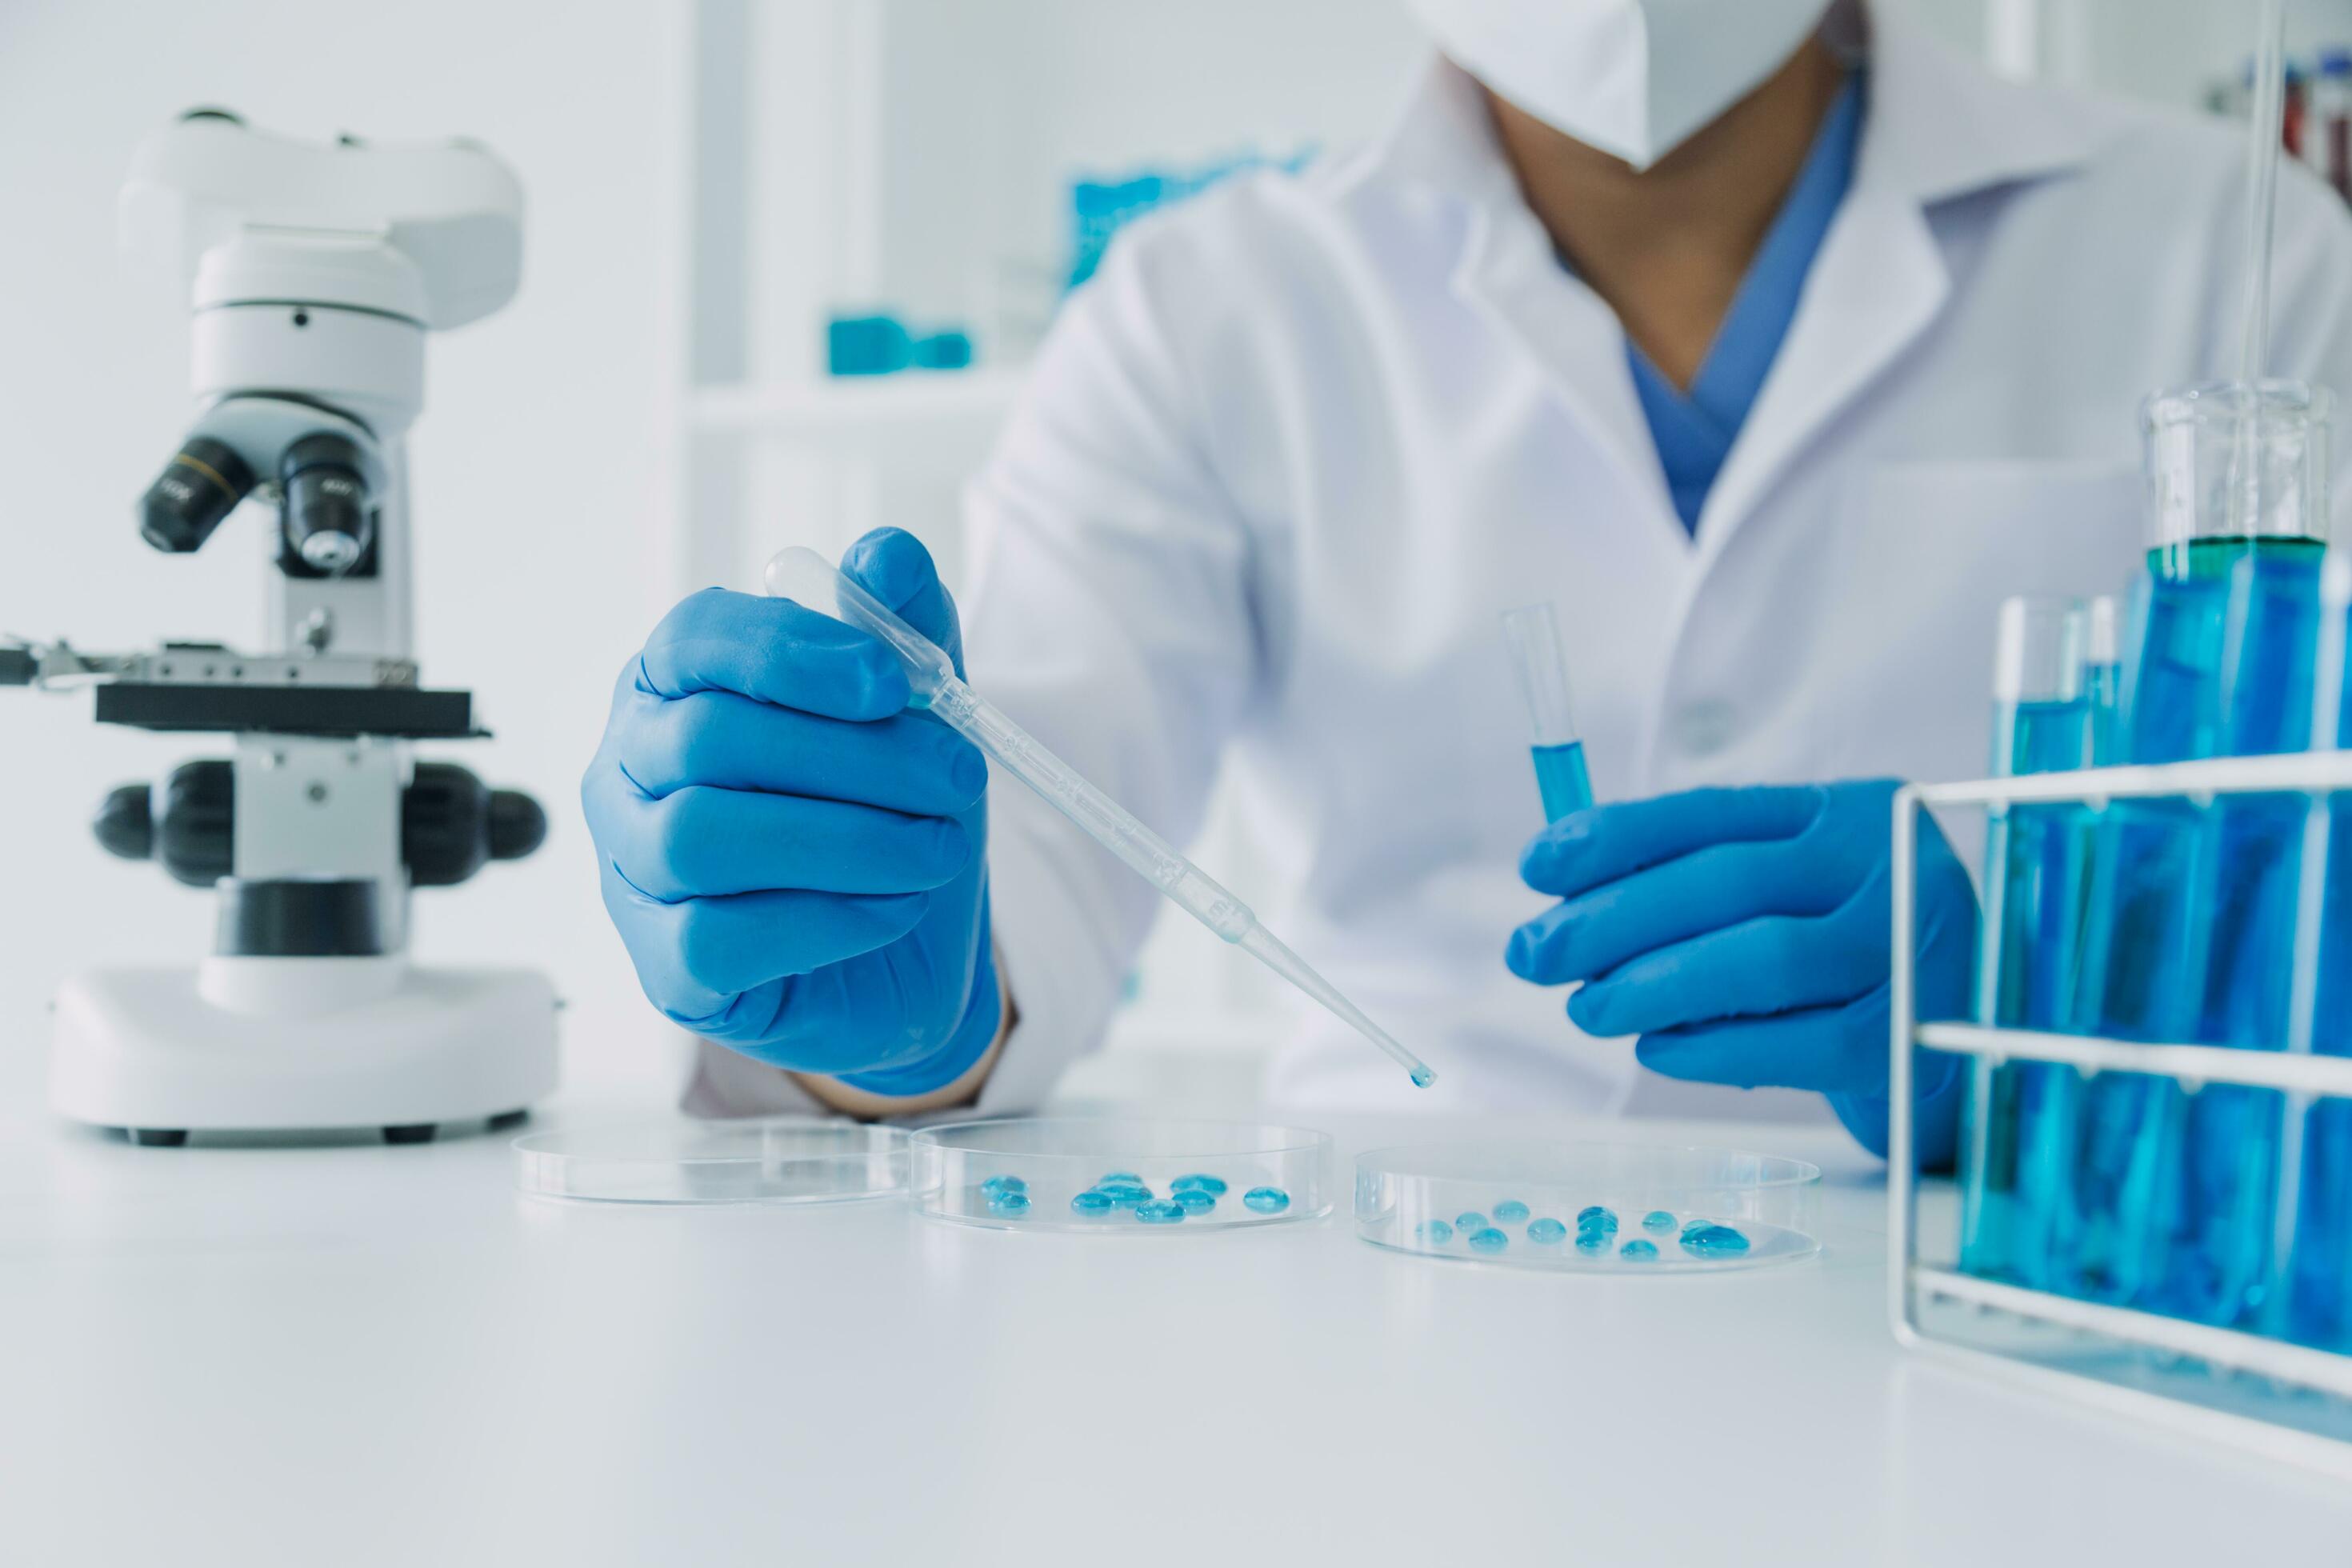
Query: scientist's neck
[(1667, 246)]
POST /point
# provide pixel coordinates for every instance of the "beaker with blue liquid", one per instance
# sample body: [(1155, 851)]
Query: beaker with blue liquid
[(2190, 912), (2037, 862)]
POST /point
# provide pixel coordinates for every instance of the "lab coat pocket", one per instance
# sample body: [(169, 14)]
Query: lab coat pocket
[(1929, 551)]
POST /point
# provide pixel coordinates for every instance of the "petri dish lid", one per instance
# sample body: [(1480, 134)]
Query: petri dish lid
[(761, 1160), (1120, 1177), (1680, 1210)]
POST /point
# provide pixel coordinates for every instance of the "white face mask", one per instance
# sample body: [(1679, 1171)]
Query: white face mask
[(1630, 77)]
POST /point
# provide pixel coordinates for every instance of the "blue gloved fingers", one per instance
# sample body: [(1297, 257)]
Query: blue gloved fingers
[(1754, 969), (694, 956), (774, 650), (904, 763), (1708, 889), (1587, 848), (1829, 1048), (699, 842), (892, 565)]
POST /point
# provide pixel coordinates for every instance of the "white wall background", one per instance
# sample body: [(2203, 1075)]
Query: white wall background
[(538, 461)]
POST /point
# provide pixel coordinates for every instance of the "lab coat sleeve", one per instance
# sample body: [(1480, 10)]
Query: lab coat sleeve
[(1110, 611)]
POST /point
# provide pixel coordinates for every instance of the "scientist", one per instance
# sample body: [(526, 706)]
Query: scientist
[(1772, 342)]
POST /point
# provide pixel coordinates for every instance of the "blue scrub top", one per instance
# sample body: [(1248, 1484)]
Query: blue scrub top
[(1694, 430)]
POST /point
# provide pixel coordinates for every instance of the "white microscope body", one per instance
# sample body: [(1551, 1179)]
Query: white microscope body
[(317, 272)]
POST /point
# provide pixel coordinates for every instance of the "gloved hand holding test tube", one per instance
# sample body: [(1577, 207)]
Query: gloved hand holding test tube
[(812, 582)]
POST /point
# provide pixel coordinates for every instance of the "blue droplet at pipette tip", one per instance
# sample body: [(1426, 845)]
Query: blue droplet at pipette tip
[(807, 578)]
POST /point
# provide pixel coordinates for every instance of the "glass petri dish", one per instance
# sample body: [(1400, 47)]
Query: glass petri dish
[(1606, 1208), (1108, 1176), (762, 1160)]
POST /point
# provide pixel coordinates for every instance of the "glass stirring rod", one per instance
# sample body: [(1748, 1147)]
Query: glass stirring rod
[(808, 579)]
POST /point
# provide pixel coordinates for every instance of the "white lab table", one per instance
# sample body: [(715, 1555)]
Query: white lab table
[(356, 1355)]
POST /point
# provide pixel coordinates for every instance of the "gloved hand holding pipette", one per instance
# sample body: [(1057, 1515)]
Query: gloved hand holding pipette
[(794, 860), (1743, 934)]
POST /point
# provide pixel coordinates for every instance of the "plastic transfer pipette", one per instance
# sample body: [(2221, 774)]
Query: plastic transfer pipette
[(808, 579)]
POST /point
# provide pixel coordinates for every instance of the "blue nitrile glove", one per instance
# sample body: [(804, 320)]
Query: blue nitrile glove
[(795, 859), (1744, 934)]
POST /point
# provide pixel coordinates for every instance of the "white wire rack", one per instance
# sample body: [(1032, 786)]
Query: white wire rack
[(2288, 1401)]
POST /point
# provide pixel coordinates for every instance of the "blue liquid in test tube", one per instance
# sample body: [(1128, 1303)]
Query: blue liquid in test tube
[(2318, 1308), (2188, 935), (2036, 860), (2144, 941), (2216, 1255), (1533, 635)]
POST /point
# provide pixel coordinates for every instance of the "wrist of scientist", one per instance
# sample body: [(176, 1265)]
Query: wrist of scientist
[(796, 862)]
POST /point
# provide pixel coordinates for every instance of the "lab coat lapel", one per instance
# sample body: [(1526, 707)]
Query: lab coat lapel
[(1506, 270), (1938, 128), (1509, 272), (1878, 282)]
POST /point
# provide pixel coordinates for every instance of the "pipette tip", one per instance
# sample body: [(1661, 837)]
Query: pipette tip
[(1423, 1078)]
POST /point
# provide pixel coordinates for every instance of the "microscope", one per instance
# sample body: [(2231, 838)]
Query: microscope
[(317, 271)]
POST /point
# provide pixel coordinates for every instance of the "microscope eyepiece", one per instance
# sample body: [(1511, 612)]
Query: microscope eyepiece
[(198, 487), (329, 502)]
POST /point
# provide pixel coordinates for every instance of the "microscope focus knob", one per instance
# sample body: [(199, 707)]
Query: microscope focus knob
[(124, 825), (186, 823), (451, 825)]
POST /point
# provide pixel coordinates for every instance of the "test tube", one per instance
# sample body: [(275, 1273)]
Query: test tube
[(2020, 1117), (1532, 633)]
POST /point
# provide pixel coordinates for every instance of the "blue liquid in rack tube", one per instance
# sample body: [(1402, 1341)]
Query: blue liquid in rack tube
[(2037, 862), (2214, 1259), (1562, 779), (2318, 1308), (2144, 937)]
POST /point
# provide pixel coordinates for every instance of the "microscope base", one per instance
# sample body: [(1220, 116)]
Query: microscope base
[(149, 1051)]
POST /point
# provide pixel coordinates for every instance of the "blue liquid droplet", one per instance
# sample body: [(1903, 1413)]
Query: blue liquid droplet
[(1510, 1211), (1638, 1251), (1125, 1194), (1705, 1240), (1013, 1205), (1547, 1232), (995, 1184), (1657, 1219), (1589, 1239), (1213, 1186), (1469, 1220), (1595, 1217), (1091, 1203), (1159, 1212), (1193, 1200), (1489, 1240), (1266, 1200), (1434, 1232), (1423, 1078), (1119, 1179)]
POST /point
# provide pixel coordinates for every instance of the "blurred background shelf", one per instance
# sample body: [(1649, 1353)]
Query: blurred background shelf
[(883, 407)]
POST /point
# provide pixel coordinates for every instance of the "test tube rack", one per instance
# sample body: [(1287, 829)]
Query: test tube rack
[(2288, 1401)]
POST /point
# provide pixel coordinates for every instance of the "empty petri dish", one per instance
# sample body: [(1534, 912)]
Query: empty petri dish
[(1109, 1176), (1584, 1204), (762, 1160)]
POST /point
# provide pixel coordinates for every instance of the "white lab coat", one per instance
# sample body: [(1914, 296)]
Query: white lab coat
[(1285, 460)]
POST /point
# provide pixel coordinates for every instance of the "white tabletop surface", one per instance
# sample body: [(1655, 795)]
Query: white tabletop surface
[(364, 1354)]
